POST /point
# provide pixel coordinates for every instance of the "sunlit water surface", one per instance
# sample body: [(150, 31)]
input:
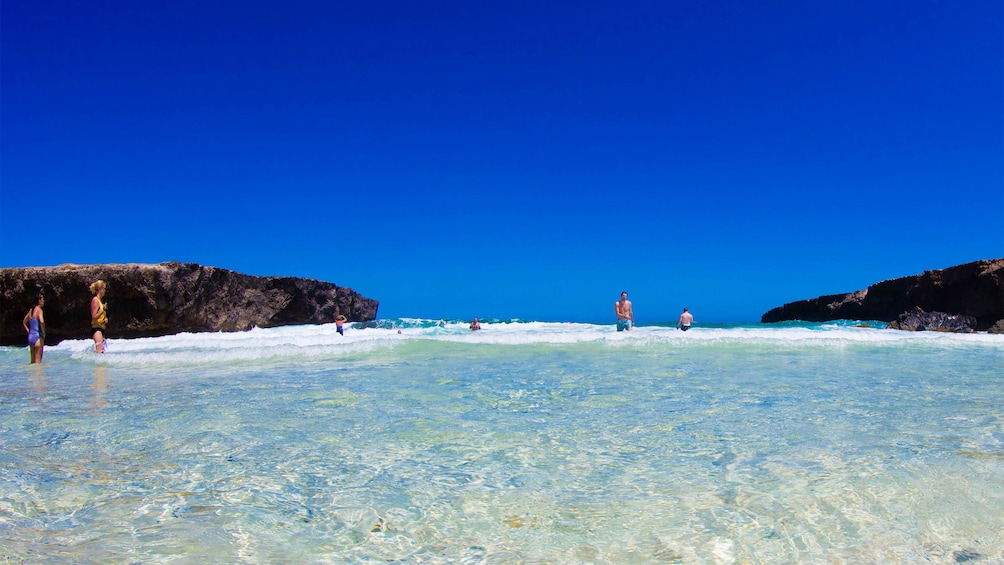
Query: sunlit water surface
[(521, 443)]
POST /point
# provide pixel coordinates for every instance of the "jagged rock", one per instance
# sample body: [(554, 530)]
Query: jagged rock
[(973, 289), (918, 320), (997, 328), (167, 298)]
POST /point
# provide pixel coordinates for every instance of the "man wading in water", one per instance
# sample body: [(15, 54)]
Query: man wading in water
[(625, 316)]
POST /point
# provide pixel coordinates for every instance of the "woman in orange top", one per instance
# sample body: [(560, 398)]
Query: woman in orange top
[(99, 315)]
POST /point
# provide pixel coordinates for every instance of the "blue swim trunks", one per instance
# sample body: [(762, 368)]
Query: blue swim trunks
[(623, 325)]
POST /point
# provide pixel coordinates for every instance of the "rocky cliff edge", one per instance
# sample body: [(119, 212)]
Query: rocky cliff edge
[(973, 289), (152, 300)]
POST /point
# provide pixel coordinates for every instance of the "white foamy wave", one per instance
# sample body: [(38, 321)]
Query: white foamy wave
[(315, 341), (254, 345)]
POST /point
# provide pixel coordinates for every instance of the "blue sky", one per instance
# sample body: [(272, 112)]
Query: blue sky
[(510, 159)]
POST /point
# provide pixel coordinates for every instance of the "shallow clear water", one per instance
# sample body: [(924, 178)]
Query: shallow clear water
[(521, 443)]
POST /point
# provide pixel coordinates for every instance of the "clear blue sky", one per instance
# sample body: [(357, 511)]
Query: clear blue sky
[(510, 159)]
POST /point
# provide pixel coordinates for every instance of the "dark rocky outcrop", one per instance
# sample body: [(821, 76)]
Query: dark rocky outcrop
[(997, 328), (918, 320), (168, 298), (973, 289)]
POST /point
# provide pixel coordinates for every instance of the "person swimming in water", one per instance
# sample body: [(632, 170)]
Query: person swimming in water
[(339, 322), (99, 315), (475, 325), (34, 324)]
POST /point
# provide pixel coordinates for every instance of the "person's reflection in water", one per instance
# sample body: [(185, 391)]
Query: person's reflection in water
[(36, 376), (99, 386)]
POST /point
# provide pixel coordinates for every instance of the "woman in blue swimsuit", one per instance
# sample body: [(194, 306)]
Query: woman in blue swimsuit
[(34, 324)]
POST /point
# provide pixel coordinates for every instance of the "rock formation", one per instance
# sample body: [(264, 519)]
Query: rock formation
[(973, 289), (918, 320), (167, 298)]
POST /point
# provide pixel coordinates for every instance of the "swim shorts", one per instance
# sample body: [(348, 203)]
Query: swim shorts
[(684, 328), (623, 325)]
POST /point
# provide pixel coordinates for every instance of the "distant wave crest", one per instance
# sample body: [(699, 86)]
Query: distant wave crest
[(366, 340)]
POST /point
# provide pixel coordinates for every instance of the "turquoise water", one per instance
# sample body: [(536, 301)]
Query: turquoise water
[(522, 443)]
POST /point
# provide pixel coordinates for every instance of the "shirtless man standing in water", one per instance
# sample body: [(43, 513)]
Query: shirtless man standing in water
[(625, 316), (686, 319)]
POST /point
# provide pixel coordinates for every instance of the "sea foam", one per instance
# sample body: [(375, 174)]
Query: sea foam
[(320, 341)]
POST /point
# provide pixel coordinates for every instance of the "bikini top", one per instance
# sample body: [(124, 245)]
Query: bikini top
[(102, 314)]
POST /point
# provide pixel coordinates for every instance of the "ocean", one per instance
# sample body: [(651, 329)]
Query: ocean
[(525, 442)]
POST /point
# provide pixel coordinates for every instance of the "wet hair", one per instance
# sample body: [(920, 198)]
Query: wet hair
[(97, 285)]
